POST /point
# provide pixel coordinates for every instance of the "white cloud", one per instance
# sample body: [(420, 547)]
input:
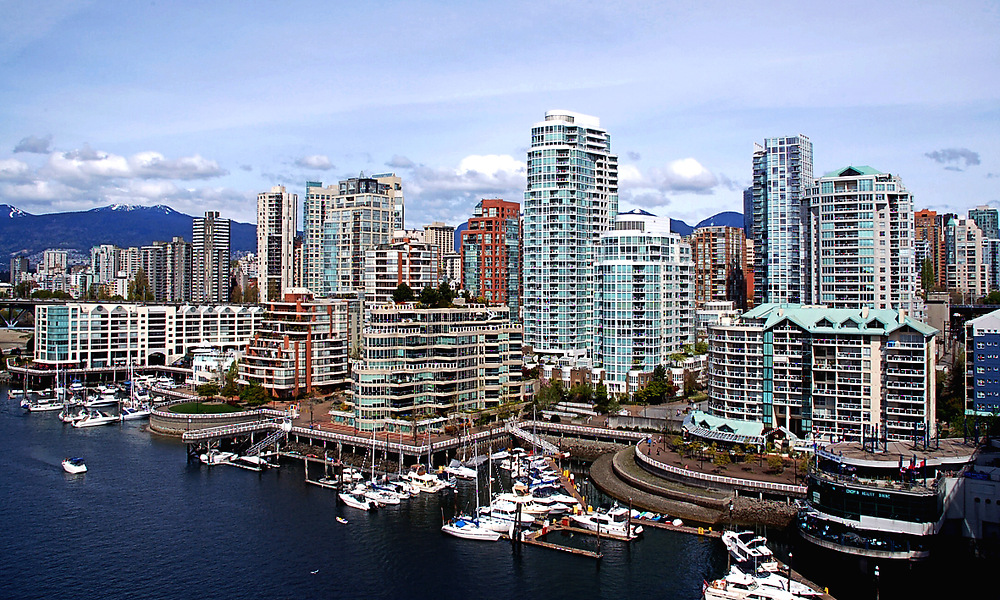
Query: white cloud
[(11, 168), (450, 194), (315, 161), (34, 144), (78, 167)]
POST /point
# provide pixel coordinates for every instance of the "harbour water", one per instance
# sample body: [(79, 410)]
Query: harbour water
[(145, 523)]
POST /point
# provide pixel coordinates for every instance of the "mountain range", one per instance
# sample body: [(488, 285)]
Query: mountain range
[(25, 234), (22, 233)]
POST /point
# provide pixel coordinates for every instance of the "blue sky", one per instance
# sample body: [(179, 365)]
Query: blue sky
[(200, 106)]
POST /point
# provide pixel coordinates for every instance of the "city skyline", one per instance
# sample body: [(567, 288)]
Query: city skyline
[(139, 105)]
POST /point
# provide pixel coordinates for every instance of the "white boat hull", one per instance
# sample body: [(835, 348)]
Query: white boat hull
[(470, 530)]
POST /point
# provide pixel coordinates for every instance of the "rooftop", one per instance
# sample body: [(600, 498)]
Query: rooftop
[(852, 171)]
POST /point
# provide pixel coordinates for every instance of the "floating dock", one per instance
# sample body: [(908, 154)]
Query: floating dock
[(707, 532)]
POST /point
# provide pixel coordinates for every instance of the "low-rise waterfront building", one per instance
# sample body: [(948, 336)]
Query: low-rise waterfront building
[(301, 345), (419, 366), (833, 374), (103, 334)]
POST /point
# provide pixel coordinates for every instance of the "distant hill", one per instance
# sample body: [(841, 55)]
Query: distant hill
[(122, 225), (723, 219)]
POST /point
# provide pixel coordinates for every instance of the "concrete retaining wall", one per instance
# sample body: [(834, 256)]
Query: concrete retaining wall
[(168, 423)]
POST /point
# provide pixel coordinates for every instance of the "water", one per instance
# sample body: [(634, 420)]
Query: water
[(144, 523)]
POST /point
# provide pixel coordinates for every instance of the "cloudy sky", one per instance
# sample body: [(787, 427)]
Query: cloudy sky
[(202, 105)]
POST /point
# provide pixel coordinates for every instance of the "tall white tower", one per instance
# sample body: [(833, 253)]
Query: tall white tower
[(276, 211), (572, 197), (210, 258)]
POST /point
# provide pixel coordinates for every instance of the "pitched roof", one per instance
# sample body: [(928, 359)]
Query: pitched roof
[(837, 320), (853, 171)]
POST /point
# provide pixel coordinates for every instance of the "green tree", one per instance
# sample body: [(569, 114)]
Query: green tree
[(581, 393), (23, 289), (550, 393), (139, 289), (254, 394), (927, 278), (231, 389), (993, 298), (236, 294), (775, 464), (208, 390), (402, 293), (659, 373), (604, 403), (429, 297), (252, 295)]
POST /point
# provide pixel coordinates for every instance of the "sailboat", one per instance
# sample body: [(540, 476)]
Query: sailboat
[(470, 527)]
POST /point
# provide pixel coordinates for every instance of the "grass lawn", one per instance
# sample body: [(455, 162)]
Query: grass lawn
[(198, 408)]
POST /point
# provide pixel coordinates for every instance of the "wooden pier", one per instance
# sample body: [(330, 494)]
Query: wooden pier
[(702, 531)]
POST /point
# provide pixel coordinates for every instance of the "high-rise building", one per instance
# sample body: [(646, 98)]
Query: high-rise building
[(782, 172), (412, 262), (965, 262), (153, 261), (491, 254), (719, 252), (825, 372), (179, 274), (341, 222), (859, 241), (443, 237), (104, 261), (54, 262), (276, 217), (571, 199), (748, 213), (210, 258), (987, 219), (394, 187), (18, 269), (644, 310), (928, 234)]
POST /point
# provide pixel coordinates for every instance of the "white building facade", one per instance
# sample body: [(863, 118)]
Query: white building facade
[(276, 227)]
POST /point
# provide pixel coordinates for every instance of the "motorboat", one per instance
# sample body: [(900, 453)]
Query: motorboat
[(99, 400), (72, 413), (459, 470), (737, 585), (355, 501), (502, 455), (424, 481), (469, 528), (781, 582), (74, 465), (748, 547), (521, 495), (380, 497), (553, 505), (614, 521), (95, 418), (133, 413), (216, 457)]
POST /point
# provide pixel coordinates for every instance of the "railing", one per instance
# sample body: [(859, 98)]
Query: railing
[(514, 430), (784, 488)]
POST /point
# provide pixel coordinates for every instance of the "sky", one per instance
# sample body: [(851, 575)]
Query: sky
[(200, 106)]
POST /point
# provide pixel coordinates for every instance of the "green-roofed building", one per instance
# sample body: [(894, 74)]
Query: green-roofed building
[(832, 373), (860, 241)]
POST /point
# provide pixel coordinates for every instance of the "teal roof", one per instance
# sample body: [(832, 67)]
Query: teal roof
[(853, 171), (820, 319), (710, 427)]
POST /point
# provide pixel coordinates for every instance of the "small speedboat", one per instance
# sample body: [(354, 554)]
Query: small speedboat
[(132, 413), (74, 465), (95, 418), (216, 457), (342, 520), (355, 501), (459, 470), (614, 521)]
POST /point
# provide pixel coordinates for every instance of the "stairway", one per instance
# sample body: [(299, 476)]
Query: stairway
[(547, 447)]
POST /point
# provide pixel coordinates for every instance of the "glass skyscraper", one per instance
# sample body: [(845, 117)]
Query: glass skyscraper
[(572, 197), (782, 171)]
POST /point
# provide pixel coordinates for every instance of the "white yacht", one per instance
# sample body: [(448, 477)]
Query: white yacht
[(740, 586), (748, 547), (379, 497), (98, 400), (501, 515), (614, 521), (459, 470), (95, 418), (74, 465), (72, 413), (521, 495), (470, 528), (424, 481), (216, 457)]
